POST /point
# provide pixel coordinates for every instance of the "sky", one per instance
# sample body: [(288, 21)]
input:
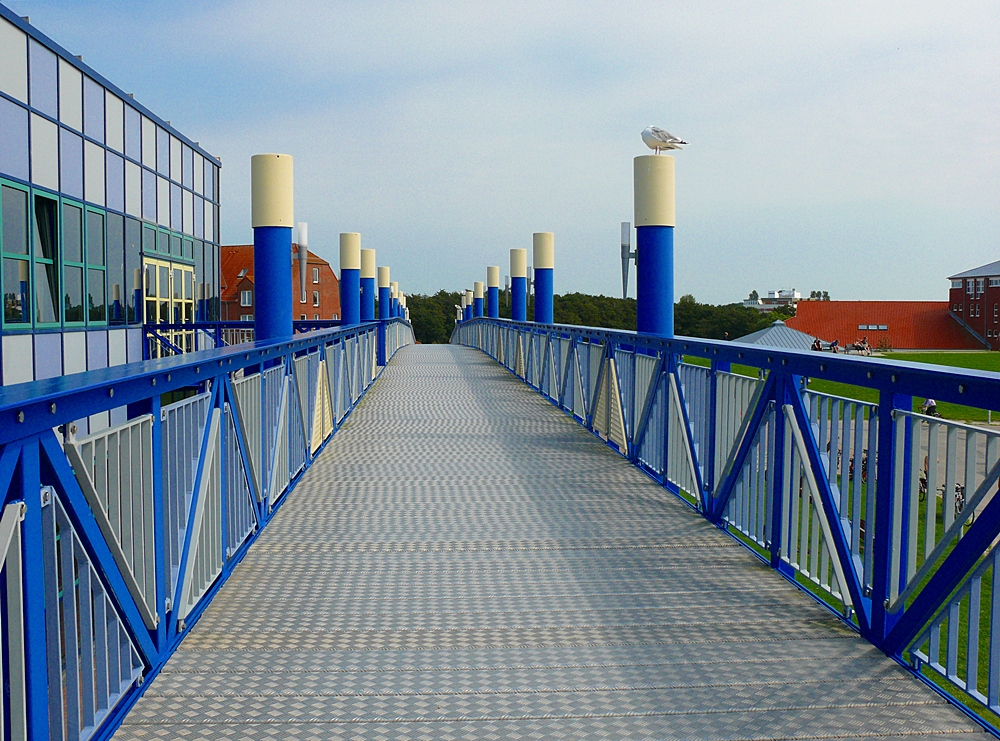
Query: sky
[(850, 147)]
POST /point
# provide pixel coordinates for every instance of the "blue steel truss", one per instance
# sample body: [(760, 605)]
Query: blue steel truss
[(113, 544), (832, 492)]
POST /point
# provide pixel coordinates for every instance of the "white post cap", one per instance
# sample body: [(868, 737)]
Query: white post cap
[(272, 193), (350, 251), (368, 264), (463, 300), (394, 289), (383, 276), (477, 289), (469, 297), (543, 252), (518, 263), (654, 190), (492, 276)]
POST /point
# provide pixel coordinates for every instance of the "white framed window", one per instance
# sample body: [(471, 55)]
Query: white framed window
[(995, 315), (970, 286), (302, 317), (977, 309), (883, 327), (316, 277), (246, 317), (979, 286), (315, 298), (994, 282), (336, 317), (956, 284), (315, 316), (246, 298)]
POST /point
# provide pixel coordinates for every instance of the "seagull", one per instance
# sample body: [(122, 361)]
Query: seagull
[(658, 139)]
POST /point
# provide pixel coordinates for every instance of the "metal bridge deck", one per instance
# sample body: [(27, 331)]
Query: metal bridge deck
[(466, 562)]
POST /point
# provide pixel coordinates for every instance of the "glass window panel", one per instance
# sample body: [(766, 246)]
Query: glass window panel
[(215, 224), (199, 174), (188, 225), (208, 222), (162, 152), (162, 202), (175, 207), (72, 233), (16, 296), (150, 281), (70, 95), (46, 292), (13, 61), (46, 228), (115, 181), (148, 143), (96, 296), (178, 284), (45, 153), (163, 242), (93, 109), (175, 159), (187, 167), (93, 172), (114, 108), (209, 180), (133, 261), (148, 240), (44, 91), (133, 133), (175, 246), (95, 238), (116, 258), (148, 195), (188, 247), (13, 140), (133, 189), (71, 164), (199, 217), (14, 203), (73, 294)]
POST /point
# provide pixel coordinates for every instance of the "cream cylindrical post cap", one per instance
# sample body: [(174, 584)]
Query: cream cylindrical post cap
[(654, 190), (543, 250), (518, 263), (272, 192), (463, 300), (350, 251), (477, 289), (492, 276), (368, 269), (383, 276), (394, 289), (469, 297)]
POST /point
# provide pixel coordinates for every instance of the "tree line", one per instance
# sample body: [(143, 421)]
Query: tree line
[(433, 316)]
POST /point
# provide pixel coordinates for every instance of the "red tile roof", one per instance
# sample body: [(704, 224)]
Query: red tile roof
[(911, 325)]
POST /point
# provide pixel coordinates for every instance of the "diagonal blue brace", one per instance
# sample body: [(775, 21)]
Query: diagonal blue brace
[(87, 529), (703, 496), (862, 604)]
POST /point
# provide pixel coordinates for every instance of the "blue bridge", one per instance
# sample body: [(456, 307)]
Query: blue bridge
[(538, 531)]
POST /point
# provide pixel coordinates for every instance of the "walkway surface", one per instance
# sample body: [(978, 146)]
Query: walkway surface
[(465, 562)]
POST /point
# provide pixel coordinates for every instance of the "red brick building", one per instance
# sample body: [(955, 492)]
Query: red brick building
[(896, 325), (974, 301), (321, 299)]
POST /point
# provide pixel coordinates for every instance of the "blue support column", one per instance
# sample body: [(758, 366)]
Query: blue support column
[(384, 299), (272, 208), (469, 304), (519, 285), (543, 262), (350, 278), (655, 220), (477, 299), (367, 285), (493, 291), (394, 299)]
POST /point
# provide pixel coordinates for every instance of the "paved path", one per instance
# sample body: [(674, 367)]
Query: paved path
[(465, 562)]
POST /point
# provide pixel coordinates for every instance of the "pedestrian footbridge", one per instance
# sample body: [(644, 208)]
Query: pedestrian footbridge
[(537, 532)]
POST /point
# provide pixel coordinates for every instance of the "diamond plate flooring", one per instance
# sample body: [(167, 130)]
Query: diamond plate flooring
[(465, 562)]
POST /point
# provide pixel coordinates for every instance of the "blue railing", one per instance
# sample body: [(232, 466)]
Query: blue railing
[(888, 516), (165, 339), (130, 493)]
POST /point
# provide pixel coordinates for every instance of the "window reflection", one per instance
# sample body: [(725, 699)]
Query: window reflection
[(95, 238), (46, 293), (72, 233), (73, 294), (96, 296), (16, 303)]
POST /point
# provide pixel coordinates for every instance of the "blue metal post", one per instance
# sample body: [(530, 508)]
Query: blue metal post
[(384, 299), (367, 285), (469, 303), (519, 285), (350, 278), (272, 207), (394, 299), (543, 262), (655, 220), (493, 291), (477, 299)]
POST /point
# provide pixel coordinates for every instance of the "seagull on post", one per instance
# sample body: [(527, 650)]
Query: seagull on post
[(658, 139)]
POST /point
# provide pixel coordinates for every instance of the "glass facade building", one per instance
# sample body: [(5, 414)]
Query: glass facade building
[(98, 197)]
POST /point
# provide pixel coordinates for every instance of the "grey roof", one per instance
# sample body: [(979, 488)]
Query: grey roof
[(982, 271), (778, 335)]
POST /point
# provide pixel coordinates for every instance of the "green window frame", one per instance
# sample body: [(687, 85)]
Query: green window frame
[(97, 258), (46, 274), (15, 265), (73, 229)]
